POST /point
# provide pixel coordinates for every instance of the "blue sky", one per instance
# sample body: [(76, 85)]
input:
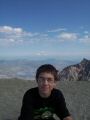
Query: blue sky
[(45, 29)]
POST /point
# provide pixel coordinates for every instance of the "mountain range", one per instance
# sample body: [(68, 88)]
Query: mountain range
[(25, 69), (77, 72)]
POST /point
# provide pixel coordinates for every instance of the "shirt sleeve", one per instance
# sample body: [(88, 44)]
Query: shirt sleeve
[(26, 109), (62, 110)]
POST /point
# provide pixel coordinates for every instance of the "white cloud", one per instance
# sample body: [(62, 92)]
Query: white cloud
[(41, 53), (16, 31), (6, 29), (67, 36), (15, 35), (86, 32), (9, 29), (85, 39), (29, 34), (12, 40), (58, 30)]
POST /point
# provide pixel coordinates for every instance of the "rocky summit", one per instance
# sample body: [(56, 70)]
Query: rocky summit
[(77, 72)]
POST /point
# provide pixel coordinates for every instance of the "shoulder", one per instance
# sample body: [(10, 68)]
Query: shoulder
[(30, 92), (57, 93)]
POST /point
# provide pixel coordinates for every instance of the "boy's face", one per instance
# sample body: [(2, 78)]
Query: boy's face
[(46, 83)]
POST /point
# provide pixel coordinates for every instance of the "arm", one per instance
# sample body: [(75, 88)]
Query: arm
[(26, 110), (63, 112)]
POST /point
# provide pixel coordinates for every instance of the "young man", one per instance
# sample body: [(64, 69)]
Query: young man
[(44, 102)]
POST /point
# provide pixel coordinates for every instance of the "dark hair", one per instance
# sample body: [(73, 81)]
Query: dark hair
[(47, 68)]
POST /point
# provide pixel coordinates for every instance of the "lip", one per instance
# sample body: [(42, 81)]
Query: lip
[(44, 88)]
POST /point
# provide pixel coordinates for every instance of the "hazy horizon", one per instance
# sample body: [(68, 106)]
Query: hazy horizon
[(40, 58)]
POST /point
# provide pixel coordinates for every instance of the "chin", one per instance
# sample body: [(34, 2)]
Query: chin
[(46, 91)]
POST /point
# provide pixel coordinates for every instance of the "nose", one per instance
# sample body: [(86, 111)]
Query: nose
[(45, 82)]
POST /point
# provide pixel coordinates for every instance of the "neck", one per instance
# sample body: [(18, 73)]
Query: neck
[(44, 95)]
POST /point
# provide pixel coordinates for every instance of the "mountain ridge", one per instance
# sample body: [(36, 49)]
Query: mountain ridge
[(76, 72), (25, 69)]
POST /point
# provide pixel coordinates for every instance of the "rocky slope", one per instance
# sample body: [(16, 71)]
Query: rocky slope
[(77, 72)]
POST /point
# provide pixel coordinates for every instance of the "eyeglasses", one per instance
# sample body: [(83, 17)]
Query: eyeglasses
[(43, 79)]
